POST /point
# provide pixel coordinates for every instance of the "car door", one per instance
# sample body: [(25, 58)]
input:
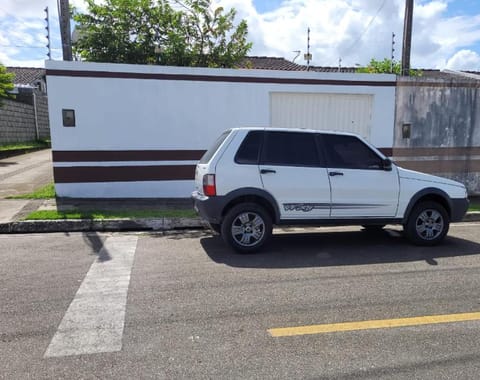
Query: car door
[(292, 170), (361, 184)]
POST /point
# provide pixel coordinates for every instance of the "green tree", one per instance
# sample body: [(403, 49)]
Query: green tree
[(189, 33), (6, 83), (386, 66)]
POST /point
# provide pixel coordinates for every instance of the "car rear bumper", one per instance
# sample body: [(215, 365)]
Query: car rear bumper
[(209, 208)]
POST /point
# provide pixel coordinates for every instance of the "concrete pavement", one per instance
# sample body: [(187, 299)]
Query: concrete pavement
[(25, 173), (19, 175)]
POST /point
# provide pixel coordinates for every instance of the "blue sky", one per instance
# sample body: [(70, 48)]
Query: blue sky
[(446, 33), (263, 6)]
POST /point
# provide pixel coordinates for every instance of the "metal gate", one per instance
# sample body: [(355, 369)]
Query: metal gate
[(335, 112)]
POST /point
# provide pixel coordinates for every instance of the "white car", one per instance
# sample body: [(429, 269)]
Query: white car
[(253, 178)]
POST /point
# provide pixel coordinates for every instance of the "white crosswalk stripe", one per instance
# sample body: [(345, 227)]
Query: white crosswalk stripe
[(95, 319)]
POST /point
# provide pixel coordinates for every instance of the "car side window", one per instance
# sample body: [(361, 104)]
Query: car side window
[(349, 152), (290, 149), (250, 149)]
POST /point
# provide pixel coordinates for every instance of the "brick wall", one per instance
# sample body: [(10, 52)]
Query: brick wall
[(42, 117), (17, 121)]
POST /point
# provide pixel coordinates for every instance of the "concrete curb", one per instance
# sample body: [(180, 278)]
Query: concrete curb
[(473, 216), (117, 225), (112, 225)]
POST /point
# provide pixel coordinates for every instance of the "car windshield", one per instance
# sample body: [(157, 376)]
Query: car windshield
[(209, 153)]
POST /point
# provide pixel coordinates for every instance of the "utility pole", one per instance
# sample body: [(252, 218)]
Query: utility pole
[(407, 37), (49, 53), (64, 18)]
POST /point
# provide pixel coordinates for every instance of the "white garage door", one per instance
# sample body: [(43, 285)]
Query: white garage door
[(334, 112)]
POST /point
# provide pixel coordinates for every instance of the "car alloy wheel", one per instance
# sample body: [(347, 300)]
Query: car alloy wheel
[(246, 227), (429, 224)]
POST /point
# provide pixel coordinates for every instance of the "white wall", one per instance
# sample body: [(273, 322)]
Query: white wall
[(158, 114)]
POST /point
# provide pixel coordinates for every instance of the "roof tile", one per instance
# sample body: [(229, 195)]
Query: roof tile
[(26, 75)]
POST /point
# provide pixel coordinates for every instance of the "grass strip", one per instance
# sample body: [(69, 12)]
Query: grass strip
[(45, 192), (26, 145), (100, 215), (474, 207)]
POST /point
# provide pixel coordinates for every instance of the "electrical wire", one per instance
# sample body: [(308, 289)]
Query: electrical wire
[(367, 27), (27, 47)]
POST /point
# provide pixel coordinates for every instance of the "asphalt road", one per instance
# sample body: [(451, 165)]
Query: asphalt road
[(195, 310)]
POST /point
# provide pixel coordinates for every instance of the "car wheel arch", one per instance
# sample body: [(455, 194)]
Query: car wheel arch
[(428, 194), (253, 195)]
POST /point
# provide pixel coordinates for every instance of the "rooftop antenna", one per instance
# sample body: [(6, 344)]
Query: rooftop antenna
[(298, 53), (307, 56), (339, 64)]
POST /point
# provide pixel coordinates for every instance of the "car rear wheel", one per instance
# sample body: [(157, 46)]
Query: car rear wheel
[(427, 224), (246, 227)]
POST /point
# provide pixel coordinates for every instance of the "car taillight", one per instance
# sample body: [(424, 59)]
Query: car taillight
[(209, 187)]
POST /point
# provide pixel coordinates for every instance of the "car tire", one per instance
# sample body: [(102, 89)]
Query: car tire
[(246, 227), (427, 224)]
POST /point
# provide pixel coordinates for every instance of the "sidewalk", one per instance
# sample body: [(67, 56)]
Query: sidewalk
[(13, 212), (25, 173)]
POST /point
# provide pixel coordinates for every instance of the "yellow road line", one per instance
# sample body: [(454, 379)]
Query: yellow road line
[(374, 324)]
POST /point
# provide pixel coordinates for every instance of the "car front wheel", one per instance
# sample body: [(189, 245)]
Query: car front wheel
[(427, 224), (246, 227)]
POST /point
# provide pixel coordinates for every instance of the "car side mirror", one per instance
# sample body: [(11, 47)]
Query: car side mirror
[(387, 164)]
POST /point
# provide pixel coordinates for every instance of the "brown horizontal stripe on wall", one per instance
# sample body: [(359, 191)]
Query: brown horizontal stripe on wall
[(125, 155), (79, 174), (386, 151), (138, 155), (442, 166), (435, 151), (215, 78)]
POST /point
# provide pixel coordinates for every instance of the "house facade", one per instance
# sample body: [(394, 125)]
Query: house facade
[(139, 130)]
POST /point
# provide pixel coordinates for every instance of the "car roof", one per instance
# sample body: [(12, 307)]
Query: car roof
[(280, 129)]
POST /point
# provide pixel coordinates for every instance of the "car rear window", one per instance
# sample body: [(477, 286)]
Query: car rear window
[(250, 149), (209, 153)]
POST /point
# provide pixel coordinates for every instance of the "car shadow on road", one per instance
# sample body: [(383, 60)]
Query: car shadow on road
[(287, 250)]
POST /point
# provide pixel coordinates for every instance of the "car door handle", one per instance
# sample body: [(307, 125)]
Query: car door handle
[(333, 174), (266, 171)]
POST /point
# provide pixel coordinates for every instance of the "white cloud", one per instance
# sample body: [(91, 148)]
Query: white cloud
[(464, 60), (353, 30)]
